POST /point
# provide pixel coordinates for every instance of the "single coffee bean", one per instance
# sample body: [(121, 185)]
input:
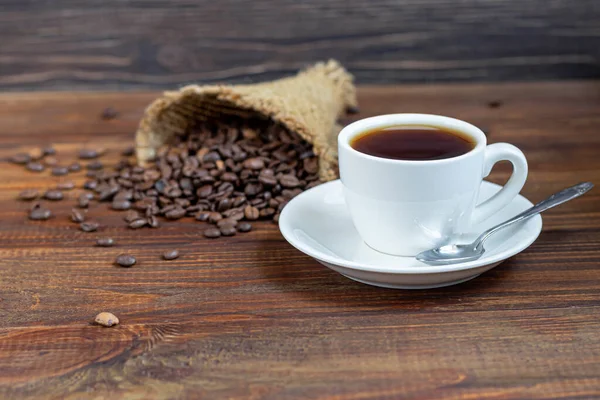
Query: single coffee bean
[(95, 165), (20, 158), (224, 205), (40, 214), (128, 152), (131, 215), (60, 171), (153, 221), (203, 216), (214, 217), (83, 201), (91, 174), (228, 230), (125, 260), (77, 216), (227, 221), (35, 166), (51, 161), (106, 319), (108, 193), (251, 213), (175, 213), (289, 181), (28, 195), (244, 227), (90, 185), (109, 113), (212, 233), (254, 163), (170, 255), (88, 154), (54, 195), (48, 151), (66, 185), (267, 212), (138, 223), (121, 205), (105, 242), (75, 167), (89, 226)]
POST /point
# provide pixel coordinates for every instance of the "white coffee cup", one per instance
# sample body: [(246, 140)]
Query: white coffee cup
[(404, 207)]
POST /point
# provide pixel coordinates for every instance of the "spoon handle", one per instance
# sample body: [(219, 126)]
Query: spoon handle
[(552, 201)]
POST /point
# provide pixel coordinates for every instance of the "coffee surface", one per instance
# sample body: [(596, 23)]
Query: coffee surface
[(414, 143)]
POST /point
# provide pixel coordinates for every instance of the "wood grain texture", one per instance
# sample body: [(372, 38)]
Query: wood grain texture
[(250, 317), (91, 44)]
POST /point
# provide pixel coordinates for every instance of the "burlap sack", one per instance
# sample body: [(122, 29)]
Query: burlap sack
[(309, 104)]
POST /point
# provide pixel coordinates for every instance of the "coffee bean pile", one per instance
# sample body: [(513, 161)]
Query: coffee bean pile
[(218, 174), (226, 175)]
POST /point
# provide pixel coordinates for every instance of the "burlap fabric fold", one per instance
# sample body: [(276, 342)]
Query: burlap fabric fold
[(309, 104)]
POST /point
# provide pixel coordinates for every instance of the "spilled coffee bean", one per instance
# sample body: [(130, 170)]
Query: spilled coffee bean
[(171, 254), (35, 166), (89, 226), (54, 195), (212, 233), (60, 171), (244, 227), (109, 113), (20, 158), (66, 185), (28, 195), (40, 214), (105, 242), (75, 167), (228, 230), (77, 216), (88, 154), (125, 260)]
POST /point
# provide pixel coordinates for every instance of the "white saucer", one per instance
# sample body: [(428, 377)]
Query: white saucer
[(317, 223)]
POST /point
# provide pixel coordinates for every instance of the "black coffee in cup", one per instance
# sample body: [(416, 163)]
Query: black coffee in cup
[(413, 143)]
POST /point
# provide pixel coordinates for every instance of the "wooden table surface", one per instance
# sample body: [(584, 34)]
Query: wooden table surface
[(250, 317)]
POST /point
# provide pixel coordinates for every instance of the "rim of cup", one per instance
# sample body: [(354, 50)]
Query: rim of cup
[(411, 119)]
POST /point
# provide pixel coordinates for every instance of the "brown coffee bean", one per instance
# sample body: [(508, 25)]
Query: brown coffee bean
[(40, 214), (266, 212), (212, 233), (105, 242), (229, 177), (88, 154), (75, 167), (254, 163), (28, 195), (128, 152), (214, 217), (66, 185), (276, 218), (108, 193), (251, 213), (203, 216), (204, 191), (170, 255), (289, 181), (109, 113), (227, 221), (84, 200), (121, 205), (35, 166), (153, 222), (228, 230), (20, 158), (224, 205), (252, 189), (125, 260), (311, 165), (95, 165), (54, 195), (106, 319), (131, 215), (60, 171), (51, 161), (244, 227), (89, 226), (77, 216), (138, 223), (175, 213), (90, 185)]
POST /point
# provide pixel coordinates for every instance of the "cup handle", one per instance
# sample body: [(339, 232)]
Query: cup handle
[(501, 152)]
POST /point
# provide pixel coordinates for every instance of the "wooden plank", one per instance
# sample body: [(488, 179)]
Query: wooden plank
[(87, 44), (251, 317)]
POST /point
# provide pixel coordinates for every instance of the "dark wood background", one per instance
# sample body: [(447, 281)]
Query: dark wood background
[(101, 45)]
